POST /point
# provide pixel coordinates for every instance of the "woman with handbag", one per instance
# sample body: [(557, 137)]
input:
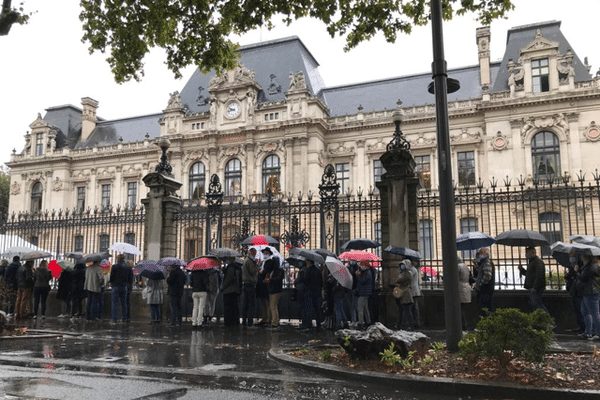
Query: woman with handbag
[(403, 295)]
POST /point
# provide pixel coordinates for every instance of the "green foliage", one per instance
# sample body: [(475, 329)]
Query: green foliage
[(4, 191), (346, 340), (326, 355), (12, 15), (509, 333), (390, 357), (437, 346), (196, 31), (555, 280)]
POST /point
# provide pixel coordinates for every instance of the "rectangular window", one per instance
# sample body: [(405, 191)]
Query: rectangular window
[(34, 240), (39, 144), (78, 244), (81, 199), (131, 195), (468, 225), (466, 168), (377, 231), (129, 238), (343, 233), (342, 172), (105, 200), (271, 116), (539, 75), (103, 242), (551, 228), (423, 171), (426, 238), (378, 171)]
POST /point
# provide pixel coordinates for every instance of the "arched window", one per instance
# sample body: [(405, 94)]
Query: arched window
[(545, 154), (271, 170), (197, 179), (233, 178), (36, 197)]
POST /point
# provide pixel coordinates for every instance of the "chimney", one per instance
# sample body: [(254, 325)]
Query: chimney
[(483, 49), (88, 117)]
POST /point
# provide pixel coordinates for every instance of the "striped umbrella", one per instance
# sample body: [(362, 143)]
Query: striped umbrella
[(359, 255)]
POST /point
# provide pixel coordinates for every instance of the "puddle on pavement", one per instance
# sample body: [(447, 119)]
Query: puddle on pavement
[(216, 367)]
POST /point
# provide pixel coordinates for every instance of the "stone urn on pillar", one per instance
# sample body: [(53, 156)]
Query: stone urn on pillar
[(161, 204), (399, 222)]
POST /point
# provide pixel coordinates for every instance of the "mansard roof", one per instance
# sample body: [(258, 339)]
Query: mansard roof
[(272, 61), (130, 129), (412, 90), (520, 36)]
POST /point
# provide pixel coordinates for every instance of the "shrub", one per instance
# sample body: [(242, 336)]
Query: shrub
[(509, 333), (326, 355)]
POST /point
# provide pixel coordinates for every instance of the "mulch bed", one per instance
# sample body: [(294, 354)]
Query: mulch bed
[(560, 370)]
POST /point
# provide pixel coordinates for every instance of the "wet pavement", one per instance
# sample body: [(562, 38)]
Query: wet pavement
[(98, 360)]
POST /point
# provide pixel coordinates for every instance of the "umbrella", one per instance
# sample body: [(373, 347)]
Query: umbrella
[(308, 254), (360, 244), (473, 241), (585, 239), (224, 252), (155, 275), (261, 256), (325, 253), (429, 271), (76, 255), (204, 262), (105, 265), (259, 240), (16, 251), (359, 255), (561, 251), (55, 269), (65, 264), (96, 257), (122, 247), (295, 260), (34, 255), (404, 252), (150, 265), (339, 271), (171, 261), (521, 237)]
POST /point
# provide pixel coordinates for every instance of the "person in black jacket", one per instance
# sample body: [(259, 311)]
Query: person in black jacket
[(199, 295), (121, 277), (274, 281), (535, 278), (312, 284), (63, 293), (176, 282), (587, 287), (78, 292), (10, 277), (25, 292), (231, 288)]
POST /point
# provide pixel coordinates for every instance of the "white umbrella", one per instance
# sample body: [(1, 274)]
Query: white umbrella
[(339, 272), (16, 251), (585, 239), (122, 247), (260, 256)]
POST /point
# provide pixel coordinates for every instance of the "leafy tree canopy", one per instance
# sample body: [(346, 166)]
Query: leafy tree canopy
[(196, 31), (10, 15), (4, 190)]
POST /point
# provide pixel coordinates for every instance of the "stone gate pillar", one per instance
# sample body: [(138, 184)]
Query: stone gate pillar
[(399, 222), (161, 204)]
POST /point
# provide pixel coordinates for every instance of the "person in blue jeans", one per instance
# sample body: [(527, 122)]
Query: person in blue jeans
[(588, 288), (121, 278)]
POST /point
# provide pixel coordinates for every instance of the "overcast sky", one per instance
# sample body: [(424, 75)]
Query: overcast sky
[(45, 64)]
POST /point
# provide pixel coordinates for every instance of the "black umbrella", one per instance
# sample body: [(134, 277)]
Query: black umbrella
[(296, 261), (76, 255), (521, 237), (325, 253), (360, 244), (156, 275), (308, 254), (96, 257), (224, 252), (404, 252)]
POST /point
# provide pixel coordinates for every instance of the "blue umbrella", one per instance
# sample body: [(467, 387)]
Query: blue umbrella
[(473, 241)]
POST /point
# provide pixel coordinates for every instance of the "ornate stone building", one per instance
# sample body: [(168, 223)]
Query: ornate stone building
[(273, 123)]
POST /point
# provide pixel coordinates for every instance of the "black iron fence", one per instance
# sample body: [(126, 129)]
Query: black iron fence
[(555, 208)]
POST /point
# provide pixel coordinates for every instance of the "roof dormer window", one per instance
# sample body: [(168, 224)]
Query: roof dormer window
[(540, 76), (39, 144)]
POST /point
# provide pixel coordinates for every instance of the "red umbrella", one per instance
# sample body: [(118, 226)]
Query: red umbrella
[(258, 240), (203, 263), (105, 265), (359, 255), (55, 269), (429, 271)]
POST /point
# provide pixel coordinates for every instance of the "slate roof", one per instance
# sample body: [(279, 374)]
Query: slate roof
[(520, 36), (412, 90), (66, 120), (272, 61), (130, 129)]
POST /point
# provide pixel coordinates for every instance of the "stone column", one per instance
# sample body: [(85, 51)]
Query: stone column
[(161, 204), (399, 221)]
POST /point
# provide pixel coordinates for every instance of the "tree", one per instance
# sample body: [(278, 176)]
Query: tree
[(10, 15), (196, 31), (4, 190)]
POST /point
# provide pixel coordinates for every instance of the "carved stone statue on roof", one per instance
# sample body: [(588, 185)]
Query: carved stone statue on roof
[(174, 101)]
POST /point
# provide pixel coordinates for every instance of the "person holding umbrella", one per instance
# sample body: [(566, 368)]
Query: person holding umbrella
[(41, 288), (175, 281), (154, 297), (249, 279), (78, 289), (121, 277), (405, 302), (535, 278), (586, 286), (231, 288), (274, 285), (10, 277), (200, 281), (94, 281), (24, 294), (364, 290), (485, 281)]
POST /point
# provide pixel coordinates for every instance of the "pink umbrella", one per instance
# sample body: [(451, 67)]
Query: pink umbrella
[(359, 255), (203, 263), (429, 271)]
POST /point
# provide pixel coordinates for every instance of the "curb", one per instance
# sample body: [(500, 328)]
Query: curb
[(441, 386)]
